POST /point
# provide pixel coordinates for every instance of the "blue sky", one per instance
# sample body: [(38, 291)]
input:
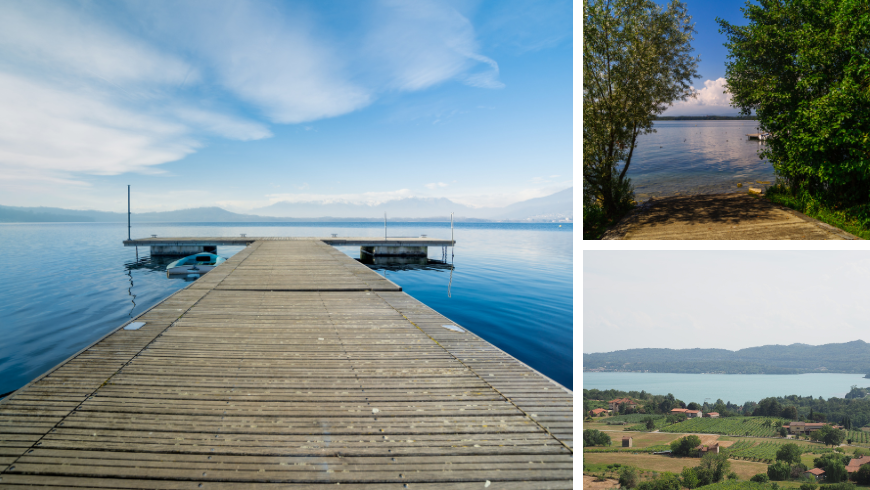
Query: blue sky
[(242, 104), (709, 45)]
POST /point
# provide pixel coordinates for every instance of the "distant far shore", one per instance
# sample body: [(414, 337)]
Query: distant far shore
[(706, 118)]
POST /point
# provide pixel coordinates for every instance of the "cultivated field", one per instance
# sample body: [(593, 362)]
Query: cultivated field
[(744, 469)]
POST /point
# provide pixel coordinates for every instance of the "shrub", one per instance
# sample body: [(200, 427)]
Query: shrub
[(808, 486), (779, 471), (685, 445), (760, 478), (629, 477), (862, 476)]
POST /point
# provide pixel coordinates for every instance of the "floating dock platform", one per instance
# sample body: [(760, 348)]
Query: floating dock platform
[(378, 247), (291, 365)]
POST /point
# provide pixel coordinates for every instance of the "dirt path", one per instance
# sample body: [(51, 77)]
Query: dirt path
[(720, 217)]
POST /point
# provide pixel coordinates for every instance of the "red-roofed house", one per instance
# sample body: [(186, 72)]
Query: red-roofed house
[(614, 404), (712, 415), (815, 473), (856, 463), (679, 410), (693, 413), (597, 411)]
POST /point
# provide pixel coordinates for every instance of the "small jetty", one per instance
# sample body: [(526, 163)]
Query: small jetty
[(759, 136), (735, 216), (289, 365)]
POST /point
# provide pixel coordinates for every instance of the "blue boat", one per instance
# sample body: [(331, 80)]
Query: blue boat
[(194, 264)]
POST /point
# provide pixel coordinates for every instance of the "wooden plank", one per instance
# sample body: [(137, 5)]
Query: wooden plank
[(290, 363)]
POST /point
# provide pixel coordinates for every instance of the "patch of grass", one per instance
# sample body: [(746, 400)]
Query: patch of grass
[(595, 223), (854, 219)]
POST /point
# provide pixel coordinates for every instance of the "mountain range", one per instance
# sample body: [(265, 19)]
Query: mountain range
[(555, 207), (848, 357)]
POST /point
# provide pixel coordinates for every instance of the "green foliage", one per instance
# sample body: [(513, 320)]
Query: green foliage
[(835, 472), (738, 426), (809, 486), (854, 219), (779, 471), (829, 435), (739, 485), (689, 477), (665, 481), (789, 412), (593, 437), (685, 445), (596, 221), (716, 464), (635, 62), (862, 476), (760, 478), (629, 477), (790, 453), (839, 486), (804, 68), (632, 450)]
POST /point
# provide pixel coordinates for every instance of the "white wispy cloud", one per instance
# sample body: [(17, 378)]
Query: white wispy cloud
[(435, 185), (422, 43), (85, 93)]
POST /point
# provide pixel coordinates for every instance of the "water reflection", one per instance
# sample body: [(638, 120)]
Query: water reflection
[(156, 264), (698, 157), (396, 264), (405, 264)]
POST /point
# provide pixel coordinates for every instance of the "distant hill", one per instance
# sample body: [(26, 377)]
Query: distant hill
[(558, 206), (849, 357), (555, 206), (413, 207)]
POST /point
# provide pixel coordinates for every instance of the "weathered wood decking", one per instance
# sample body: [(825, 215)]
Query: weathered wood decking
[(291, 365)]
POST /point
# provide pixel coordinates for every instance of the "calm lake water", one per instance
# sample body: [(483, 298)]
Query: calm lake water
[(697, 157), (734, 388), (64, 285)]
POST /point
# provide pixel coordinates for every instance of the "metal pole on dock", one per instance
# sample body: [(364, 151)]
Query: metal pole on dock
[(128, 211)]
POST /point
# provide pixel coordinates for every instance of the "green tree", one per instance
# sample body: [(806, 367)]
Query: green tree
[(594, 437), (635, 62), (629, 477), (760, 478), (665, 481), (809, 486), (685, 445), (779, 471), (783, 432), (790, 453), (803, 66), (862, 476), (789, 412), (717, 464), (693, 406), (829, 435), (835, 472), (650, 424), (847, 422), (689, 477)]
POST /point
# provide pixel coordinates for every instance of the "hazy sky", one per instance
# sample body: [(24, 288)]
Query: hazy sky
[(241, 104), (723, 299)]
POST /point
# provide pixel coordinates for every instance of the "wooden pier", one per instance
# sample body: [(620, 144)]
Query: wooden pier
[(290, 365)]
